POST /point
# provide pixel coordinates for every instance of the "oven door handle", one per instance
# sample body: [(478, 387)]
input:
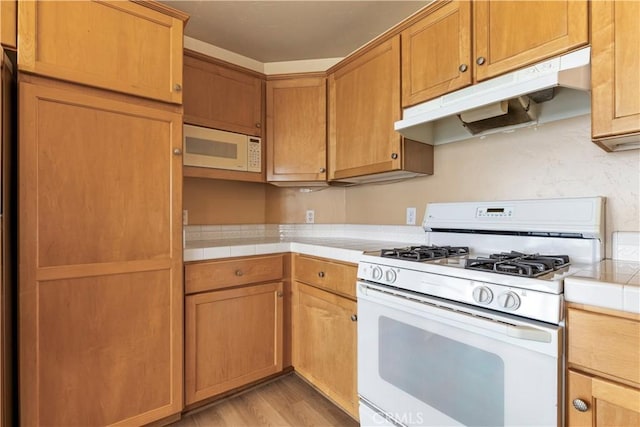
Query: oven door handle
[(528, 333)]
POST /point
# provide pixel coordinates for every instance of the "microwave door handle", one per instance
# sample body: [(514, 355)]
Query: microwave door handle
[(528, 333)]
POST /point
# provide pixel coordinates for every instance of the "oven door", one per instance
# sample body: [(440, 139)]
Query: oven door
[(430, 362)]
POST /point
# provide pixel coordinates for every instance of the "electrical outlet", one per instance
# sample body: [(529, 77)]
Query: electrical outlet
[(310, 217), (185, 217), (411, 216)]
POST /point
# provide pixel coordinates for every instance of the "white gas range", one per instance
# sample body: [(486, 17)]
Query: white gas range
[(467, 330)]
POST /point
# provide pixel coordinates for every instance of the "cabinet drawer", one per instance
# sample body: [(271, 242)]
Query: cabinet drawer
[(231, 272), (330, 275), (604, 343)]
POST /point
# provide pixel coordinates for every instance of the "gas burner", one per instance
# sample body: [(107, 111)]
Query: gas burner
[(519, 264), (424, 253)]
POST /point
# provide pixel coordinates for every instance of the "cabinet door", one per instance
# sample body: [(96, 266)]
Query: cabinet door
[(117, 45), (364, 103), (233, 337), (607, 403), (324, 343), (297, 129), (100, 257), (615, 66), (8, 23), (436, 53), (221, 97), (512, 34)]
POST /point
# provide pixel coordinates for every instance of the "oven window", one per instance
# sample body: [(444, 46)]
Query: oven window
[(463, 382)]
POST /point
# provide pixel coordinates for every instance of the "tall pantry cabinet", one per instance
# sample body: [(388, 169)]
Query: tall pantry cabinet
[(100, 229)]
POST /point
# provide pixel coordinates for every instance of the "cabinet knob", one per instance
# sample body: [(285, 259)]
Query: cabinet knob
[(463, 68), (177, 151), (258, 125), (394, 156), (580, 405), (239, 273), (321, 274), (280, 294), (177, 87), (354, 317), (322, 170), (481, 60)]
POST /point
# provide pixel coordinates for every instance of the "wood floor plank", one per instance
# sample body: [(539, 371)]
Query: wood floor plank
[(286, 402)]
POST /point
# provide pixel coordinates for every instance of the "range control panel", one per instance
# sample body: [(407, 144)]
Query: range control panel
[(503, 212)]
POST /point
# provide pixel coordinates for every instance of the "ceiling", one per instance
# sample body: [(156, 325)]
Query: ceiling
[(276, 31)]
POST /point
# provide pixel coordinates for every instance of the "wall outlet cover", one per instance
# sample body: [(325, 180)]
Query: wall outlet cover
[(411, 216), (310, 217)]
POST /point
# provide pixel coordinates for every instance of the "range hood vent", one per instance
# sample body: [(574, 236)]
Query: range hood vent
[(551, 90)]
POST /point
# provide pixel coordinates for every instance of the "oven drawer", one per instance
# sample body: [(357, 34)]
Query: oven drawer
[(331, 275), (210, 275), (604, 343)]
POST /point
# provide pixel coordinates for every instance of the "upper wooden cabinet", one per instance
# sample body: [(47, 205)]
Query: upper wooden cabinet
[(512, 34), (297, 130), (100, 278), (222, 96), (436, 53), (615, 86), (116, 45), (9, 23), (364, 103)]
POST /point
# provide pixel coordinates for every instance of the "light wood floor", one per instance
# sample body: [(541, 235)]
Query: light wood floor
[(287, 401)]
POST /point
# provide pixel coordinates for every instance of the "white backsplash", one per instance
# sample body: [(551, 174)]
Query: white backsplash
[(625, 246)]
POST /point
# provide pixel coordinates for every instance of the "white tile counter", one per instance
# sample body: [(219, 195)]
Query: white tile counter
[(609, 284), (341, 249)]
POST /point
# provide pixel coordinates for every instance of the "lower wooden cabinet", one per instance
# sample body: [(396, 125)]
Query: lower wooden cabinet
[(603, 356), (593, 401), (324, 343), (232, 337)]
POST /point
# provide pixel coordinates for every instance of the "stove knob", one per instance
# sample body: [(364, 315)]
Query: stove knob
[(509, 300), (376, 273), (482, 295), (391, 276)]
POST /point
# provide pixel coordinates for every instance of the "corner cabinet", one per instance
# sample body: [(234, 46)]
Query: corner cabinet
[(364, 103), (325, 328), (222, 96), (140, 45), (233, 326), (297, 130), (100, 257), (603, 379), (615, 86)]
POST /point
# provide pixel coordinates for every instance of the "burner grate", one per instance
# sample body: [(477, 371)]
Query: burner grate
[(518, 263), (424, 253)]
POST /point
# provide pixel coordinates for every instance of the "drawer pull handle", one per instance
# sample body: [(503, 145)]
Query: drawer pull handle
[(321, 274), (580, 405), (239, 273), (354, 317)]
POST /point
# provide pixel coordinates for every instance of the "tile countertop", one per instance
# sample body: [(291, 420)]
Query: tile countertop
[(608, 284), (341, 249)]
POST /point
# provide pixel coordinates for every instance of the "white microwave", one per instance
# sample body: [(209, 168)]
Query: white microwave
[(212, 148)]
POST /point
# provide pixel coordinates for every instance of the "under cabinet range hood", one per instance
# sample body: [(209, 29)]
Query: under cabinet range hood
[(551, 90)]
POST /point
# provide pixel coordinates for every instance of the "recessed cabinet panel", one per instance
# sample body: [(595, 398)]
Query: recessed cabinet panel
[(614, 73), (297, 129), (364, 98), (512, 34), (117, 45), (221, 97), (436, 54)]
